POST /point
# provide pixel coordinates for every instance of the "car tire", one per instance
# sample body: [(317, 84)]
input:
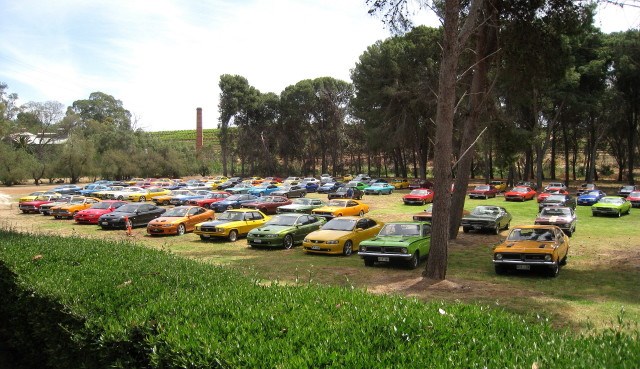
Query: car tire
[(500, 269), (181, 230), (361, 213), (414, 261), (369, 262), (288, 242), (619, 213), (466, 229), (507, 226), (496, 230), (203, 238), (553, 270), (165, 202), (563, 261), (120, 198), (347, 249), (233, 235), (142, 199)]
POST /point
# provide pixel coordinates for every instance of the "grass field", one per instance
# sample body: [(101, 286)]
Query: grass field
[(599, 284)]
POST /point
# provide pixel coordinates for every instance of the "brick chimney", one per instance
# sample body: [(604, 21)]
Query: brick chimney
[(198, 129)]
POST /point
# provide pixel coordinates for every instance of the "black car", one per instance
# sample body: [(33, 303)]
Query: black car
[(558, 200), (232, 202), (291, 191), (130, 215), (67, 189), (486, 217), (527, 184), (346, 192), (229, 183)]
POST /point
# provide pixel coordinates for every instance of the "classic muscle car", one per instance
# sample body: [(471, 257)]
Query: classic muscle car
[(231, 224), (611, 205), (341, 207), (45, 209), (634, 198), (180, 200), (419, 196), (585, 187), (33, 206), (379, 189), (239, 188), (289, 191), (232, 202), (405, 241), (341, 235), (284, 230), (520, 194), (69, 189), (329, 187), (531, 184), (207, 200), (532, 246), (346, 192), (179, 220), (591, 197), (427, 214), (420, 183), (130, 215), (486, 217), (263, 189), (357, 184), (563, 217), (301, 205), (77, 204), (553, 191), (32, 196), (558, 200), (148, 194), (92, 214), (400, 184), (624, 191), (267, 204), (556, 185), (92, 188), (122, 194), (483, 192), (499, 185)]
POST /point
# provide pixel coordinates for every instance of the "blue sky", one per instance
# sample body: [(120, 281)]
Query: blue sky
[(163, 58)]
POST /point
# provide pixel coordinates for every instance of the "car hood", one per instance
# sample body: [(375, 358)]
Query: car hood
[(413, 196), (525, 246), (479, 217), (391, 240), (94, 211), (330, 208), (606, 205), (218, 222), (168, 220), (553, 218), (328, 234), (271, 229)]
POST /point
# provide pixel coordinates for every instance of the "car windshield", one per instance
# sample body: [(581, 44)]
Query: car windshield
[(400, 230), (627, 188), (181, 193), (176, 212), (555, 212), (231, 215), (339, 224), (101, 205), (77, 201), (634, 194), (338, 203), (481, 188), (234, 198), (519, 189), (555, 198), (130, 208), (420, 192), (485, 210), (593, 193), (611, 200), (302, 201), (282, 220), (531, 234)]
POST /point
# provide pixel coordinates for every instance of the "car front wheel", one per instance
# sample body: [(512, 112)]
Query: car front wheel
[(553, 270), (181, 229), (414, 261), (288, 242), (142, 199), (233, 235), (347, 250)]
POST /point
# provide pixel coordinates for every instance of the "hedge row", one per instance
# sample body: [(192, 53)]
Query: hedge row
[(74, 302)]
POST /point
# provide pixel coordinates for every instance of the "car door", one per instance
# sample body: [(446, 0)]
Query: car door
[(251, 221)]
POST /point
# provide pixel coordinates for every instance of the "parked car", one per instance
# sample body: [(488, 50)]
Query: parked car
[(122, 194), (532, 246), (229, 183), (32, 196), (357, 184), (408, 242), (231, 224), (520, 194), (166, 199), (93, 214), (558, 200), (483, 192), (486, 217), (556, 186), (427, 214), (420, 183), (329, 187), (591, 197), (284, 230), (301, 205), (208, 199), (267, 204), (232, 202), (346, 192), (33, 206), (263, 189), (561, 216), (531, 184), (70, 209), (585, 187), (45, 209), (179, 220), (148, 194), (341, 207), (634, 198), (290, 191), (611, 205), (130, 215), (624, 191), (400, 184), (90, 189), (553, 191), (180, 200), (499, 185), (419, 196), (379, 189), (341, 235), (69, 189), (310, 186), (240, 188), (326, 178)]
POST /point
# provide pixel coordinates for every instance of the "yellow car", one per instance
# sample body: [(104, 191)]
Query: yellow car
[(166, 199), (231, 224), (134, 180), (341, 235), (347, 177), (341, 207), (68, 210), (179, 220), (532, 246), (148, 194), (400, 184), (499, 185), (32, 196)]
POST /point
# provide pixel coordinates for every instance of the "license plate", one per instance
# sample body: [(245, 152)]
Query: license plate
[(523, 267), (383, 258), (105, 223), (257, 240), (315, 247), (477, 227), (205, 235)]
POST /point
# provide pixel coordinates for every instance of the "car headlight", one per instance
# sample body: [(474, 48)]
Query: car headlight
[(332, 242), (547, 257), (167, 225), (306, 240), (498, 256), (363, 248), (219, 230), (404, 250)]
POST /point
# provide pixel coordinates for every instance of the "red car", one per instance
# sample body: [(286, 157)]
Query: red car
[(483, 192), (91, 215), (34, 206), (520, 193), (268, 204), (551, 191), (634, 198), (419, 196), (209, 199)]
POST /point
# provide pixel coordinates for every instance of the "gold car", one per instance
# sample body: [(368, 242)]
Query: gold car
[(532, 246), (341, 207), (33, 195), (400, 184), (68, 210), (499, 185), (231, 224), (179, 220), (341, 235), (148, 194)]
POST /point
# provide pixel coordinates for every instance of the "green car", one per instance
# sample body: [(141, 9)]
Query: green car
[(301, 205), (408, 242), (357, 184), (284, 230), (611, 205)]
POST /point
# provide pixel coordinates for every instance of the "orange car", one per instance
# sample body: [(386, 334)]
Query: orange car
[(179, 220), (68, 210), (341, 207)]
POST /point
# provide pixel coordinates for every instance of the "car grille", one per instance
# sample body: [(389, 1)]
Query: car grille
[(523, 257), (323, 213), (513, 197), (280, 210), (208, 228), (385, 250), (606, 210), (27, 207), (482, 223)]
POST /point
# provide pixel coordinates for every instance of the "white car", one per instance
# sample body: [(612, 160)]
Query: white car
[(122, 194)]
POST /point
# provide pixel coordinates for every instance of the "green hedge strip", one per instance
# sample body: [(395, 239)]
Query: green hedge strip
[(74, 302)]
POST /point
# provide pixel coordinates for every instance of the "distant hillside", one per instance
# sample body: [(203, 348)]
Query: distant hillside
[(210, 136)]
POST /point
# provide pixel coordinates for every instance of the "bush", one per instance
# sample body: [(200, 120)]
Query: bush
[(73, 302)]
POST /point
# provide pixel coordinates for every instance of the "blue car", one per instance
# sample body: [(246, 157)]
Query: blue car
[(90, 189), (232, 202), (329, 187), (180, 200), (379, 188), (591, 197), (263, 189), (66, 189)]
